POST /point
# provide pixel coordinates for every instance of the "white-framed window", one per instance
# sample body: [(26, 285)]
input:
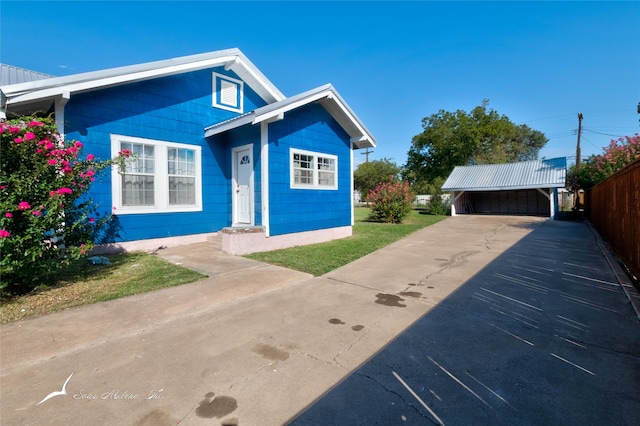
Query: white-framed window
[(158, 177), (313, 170), (228, 93)]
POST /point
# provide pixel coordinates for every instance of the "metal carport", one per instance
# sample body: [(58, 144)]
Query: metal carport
[(522, 188)]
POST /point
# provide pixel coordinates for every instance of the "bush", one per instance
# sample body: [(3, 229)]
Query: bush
[(438, 206), (45, 217), (390, 201), (616, 156)]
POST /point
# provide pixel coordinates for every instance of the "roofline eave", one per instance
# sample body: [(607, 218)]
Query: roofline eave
[(232, 59)]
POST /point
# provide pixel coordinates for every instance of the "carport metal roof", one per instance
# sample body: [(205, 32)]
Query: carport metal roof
[(533, 174)]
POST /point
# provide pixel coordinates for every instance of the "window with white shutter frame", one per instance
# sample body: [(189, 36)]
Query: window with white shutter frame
[(227, 93)]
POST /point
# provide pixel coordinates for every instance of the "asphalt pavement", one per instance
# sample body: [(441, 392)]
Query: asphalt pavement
[(474, 320)]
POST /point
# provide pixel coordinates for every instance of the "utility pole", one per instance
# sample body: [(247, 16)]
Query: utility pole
[(577, 194), (578, 146), (366, 152)]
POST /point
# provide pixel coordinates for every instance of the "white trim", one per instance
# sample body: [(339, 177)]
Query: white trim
[(60, 103), (315, 185), (214, 92), (95, 80), (325, 95), (161, 184), (234, 174), (264, 173), (351, 179)]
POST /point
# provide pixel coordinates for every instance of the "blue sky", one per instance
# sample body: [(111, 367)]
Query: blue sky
[(539, 63)]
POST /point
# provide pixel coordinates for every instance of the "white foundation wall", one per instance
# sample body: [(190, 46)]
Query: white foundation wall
[(238, 242)]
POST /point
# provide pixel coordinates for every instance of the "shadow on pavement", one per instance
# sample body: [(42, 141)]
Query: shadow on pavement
[(544, 334)]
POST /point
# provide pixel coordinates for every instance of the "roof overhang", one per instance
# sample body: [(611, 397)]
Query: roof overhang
[(35, 92), (534, 174), (326, 95)]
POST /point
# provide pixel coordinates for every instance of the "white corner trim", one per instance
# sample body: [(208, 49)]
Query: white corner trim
[(264, 175)]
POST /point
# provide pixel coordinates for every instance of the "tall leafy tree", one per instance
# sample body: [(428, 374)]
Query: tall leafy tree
[(368, 175), (459, 138)]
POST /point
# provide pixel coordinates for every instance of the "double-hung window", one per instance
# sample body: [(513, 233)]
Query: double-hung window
[(157, 177), (313, 170)]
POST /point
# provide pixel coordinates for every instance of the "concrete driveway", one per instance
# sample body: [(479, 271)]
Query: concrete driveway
[(474, 320)]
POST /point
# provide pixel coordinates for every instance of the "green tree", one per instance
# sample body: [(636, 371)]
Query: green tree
[(368, 175), (459, 138)]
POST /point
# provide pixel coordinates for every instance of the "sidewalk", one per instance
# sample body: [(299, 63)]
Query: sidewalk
[(253, 344)]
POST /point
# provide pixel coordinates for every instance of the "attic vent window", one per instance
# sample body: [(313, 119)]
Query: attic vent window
[(227, 93)]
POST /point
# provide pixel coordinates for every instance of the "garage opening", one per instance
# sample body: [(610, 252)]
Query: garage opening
[(526, 202)]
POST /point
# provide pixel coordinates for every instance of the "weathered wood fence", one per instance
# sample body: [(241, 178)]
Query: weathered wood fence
[(613, 207)]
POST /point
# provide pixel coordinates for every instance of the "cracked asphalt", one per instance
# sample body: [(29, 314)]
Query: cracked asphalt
[(474, 320)]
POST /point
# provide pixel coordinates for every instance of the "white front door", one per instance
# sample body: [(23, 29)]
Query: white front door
[(242, 185)]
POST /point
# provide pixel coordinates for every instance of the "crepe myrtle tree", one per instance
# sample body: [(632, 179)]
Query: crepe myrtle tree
[(46, 217), (614, 157)]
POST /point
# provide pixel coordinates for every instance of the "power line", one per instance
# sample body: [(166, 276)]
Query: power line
[(600, 133)]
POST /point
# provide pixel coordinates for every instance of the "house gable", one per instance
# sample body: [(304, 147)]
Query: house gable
[(313, 130)]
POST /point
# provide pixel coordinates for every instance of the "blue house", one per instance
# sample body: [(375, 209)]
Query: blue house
[(217, 148)]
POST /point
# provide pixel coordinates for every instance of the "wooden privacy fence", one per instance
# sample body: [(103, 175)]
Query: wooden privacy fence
[(613, 207)]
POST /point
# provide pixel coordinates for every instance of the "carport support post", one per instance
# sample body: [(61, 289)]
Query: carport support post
[(551, 195), (454, 198)]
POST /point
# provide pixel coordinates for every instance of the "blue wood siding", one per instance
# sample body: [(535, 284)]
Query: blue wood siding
[(309, 128), (172, 109)]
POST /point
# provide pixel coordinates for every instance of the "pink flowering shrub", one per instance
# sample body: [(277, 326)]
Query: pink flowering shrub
[(46, 219), (617, 155), (390, 201)]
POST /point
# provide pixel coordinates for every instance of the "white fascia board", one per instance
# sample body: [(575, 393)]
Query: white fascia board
[(270, 111), (248, 72), (229, 125), (117, 80), (506, 188), (232, 59), (335, 105)]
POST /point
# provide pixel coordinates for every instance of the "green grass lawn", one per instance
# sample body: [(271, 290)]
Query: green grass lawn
[(82, 283), (133, 273), (318, 259)]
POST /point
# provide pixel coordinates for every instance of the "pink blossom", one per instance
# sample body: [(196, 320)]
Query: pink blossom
[(36, 212), (14, 129), (90, 157), (4, 233), (64, 190), (23, 205), (29, 136), (8, 214), (52, 162), (35, 124), (18, 140), (92, 220)]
